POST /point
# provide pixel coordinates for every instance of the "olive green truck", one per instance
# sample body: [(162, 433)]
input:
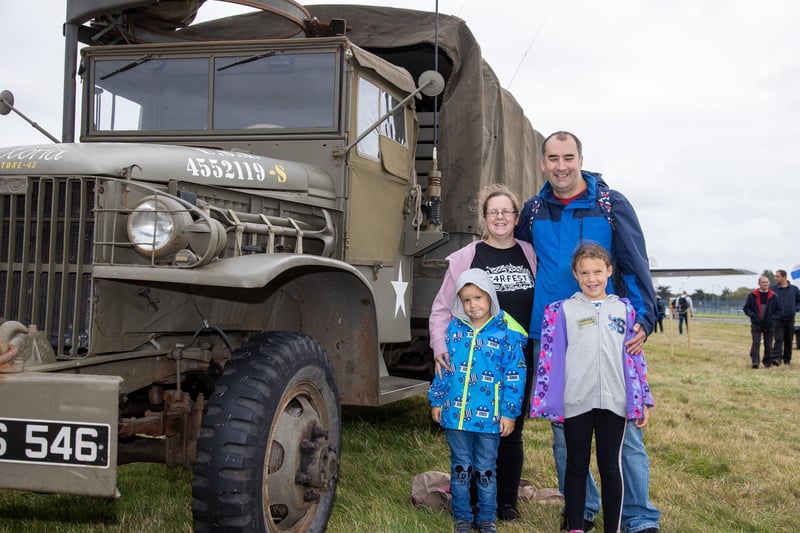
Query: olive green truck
[(247, 235)]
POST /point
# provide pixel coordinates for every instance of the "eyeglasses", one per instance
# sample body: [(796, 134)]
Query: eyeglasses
[(494, 213)]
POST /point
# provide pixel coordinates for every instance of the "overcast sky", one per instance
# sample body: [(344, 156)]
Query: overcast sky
[(690, 108)]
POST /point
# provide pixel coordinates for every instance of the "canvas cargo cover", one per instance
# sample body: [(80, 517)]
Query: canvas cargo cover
[(484, 137)]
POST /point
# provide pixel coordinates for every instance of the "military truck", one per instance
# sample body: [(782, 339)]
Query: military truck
[(248, 234)]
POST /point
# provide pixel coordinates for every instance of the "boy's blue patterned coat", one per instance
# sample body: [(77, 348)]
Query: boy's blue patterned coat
[(486, 378)]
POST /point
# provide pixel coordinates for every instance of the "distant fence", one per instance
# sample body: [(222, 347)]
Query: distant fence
[(719, 306)]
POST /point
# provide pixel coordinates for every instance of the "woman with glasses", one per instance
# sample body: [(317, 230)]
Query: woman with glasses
[(511, 264)]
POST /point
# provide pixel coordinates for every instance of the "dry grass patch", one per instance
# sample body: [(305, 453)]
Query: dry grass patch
[(723, 445)]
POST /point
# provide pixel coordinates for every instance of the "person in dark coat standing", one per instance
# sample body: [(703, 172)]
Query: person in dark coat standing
[(762, 306), (685, 308), (784, 325), (659, 314)]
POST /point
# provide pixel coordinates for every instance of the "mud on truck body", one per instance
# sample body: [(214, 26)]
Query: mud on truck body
[(249, 234)]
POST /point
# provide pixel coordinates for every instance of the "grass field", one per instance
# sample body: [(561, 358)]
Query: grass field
[(723, 443)]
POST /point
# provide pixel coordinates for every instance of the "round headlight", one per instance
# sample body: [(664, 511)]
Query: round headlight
[(156, 224)]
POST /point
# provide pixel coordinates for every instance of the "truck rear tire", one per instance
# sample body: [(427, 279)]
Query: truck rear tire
[(268, 452)]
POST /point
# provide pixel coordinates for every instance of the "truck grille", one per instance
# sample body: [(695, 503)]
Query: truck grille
[(46, 259)]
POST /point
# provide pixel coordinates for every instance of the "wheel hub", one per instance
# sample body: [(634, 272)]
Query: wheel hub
[(302, 462)]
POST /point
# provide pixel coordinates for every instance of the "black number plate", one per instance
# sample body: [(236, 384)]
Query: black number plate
[(54, 442)]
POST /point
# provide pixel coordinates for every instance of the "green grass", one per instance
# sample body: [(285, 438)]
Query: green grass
[(722, 439)]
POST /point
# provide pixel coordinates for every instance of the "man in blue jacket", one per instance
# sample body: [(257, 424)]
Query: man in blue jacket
[(573, 207)]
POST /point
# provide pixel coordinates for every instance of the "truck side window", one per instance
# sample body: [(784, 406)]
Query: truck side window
[(373, 102)]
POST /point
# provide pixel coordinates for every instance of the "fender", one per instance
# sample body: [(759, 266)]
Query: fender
[(245, 272), (325, 298)]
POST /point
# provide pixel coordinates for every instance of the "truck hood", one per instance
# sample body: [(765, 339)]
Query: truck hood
[(159, 163)]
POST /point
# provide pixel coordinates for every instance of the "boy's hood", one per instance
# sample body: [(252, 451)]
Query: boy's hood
[(480, 279)]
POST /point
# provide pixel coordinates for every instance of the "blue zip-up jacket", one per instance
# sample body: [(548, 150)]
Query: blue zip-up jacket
[(486, 377), (556, 230)]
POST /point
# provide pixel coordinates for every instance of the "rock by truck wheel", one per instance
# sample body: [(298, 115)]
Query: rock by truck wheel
[(268, 452)]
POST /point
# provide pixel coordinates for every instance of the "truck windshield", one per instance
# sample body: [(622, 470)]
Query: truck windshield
[(263, 90)]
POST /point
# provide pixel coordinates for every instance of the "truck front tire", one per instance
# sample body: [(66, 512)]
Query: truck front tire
[(268, 452)]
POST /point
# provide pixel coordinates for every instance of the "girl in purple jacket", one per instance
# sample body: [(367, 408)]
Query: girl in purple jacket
[(586, 380)]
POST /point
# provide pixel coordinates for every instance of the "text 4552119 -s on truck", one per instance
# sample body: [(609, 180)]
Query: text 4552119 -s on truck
[(250, 233)]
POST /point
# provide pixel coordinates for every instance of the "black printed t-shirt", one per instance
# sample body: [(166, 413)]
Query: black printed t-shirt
[(511, 275)]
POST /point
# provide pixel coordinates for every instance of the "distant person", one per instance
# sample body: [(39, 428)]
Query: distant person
[(784, 325), (685, 309), (763, 307), (576, 207), (479, 395), (512, 266), (586, 380), (659, 314)]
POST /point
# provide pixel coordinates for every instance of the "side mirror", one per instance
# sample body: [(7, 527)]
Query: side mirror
[(7, 105), (431, 83), (6, 102)]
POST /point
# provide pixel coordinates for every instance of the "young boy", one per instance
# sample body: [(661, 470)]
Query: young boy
[(479, 396), (586, 380)]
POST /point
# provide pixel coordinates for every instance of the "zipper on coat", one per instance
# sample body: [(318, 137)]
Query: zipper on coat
[(469, 369)]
